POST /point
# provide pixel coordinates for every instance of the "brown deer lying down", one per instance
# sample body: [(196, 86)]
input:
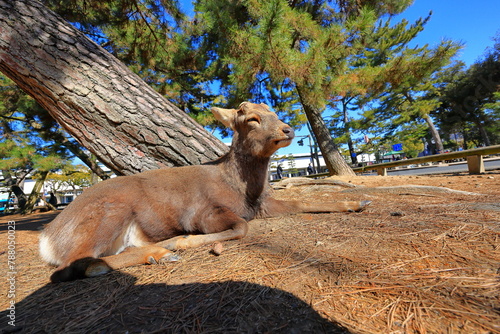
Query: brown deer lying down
[(142, 218)]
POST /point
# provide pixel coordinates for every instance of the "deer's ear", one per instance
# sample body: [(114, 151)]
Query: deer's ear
[(225, 116), (265, 106)]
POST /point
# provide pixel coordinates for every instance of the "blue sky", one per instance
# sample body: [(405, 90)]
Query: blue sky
[(473, 23)]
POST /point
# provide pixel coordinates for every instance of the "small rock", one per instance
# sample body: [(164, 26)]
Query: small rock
[(319, 243), (397, 214), (217, 249)]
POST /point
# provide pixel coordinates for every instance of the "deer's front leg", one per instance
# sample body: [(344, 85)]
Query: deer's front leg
[(238, 231), (273, 207), (220, 224)]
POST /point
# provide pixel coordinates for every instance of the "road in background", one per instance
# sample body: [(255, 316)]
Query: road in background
[(456, 167)]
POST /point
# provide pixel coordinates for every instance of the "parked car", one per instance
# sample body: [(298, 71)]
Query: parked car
[(6, 203)]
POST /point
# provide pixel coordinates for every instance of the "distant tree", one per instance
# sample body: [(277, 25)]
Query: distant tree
[(411, 137), (493, 109), (55, 182), (372, 69), (19, 110), (469, 99), (411, 95), (19, 158), (78, 178), (292, 169)]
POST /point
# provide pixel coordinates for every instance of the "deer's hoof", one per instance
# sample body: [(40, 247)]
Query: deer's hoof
[(170, 257), (151, 260), (362, 206), (98, 268)]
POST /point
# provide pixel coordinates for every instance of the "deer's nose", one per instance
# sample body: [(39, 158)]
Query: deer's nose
[(288, 131)]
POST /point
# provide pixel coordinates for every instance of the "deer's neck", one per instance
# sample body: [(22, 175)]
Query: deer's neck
[(247, 174)]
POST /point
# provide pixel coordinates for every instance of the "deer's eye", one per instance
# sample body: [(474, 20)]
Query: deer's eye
[(253, 119)]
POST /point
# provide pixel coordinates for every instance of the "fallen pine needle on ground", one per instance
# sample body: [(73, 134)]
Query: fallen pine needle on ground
[(417, 260)]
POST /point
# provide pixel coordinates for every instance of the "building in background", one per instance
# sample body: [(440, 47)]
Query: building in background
[(296, 165), (302, 164)]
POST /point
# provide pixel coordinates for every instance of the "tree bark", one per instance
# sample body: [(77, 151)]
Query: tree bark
[(482, 132), (434, 133), (432, 128), (347, 131), (35, 194), (107, 108), (333, 159), (21, 197)]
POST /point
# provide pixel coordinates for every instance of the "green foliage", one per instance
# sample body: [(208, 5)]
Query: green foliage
[(155, 39), (350, 51), (73, 177), (492, 109), (260, 50), (55, 181), (291, 164), (411, 138), (410, 94), (470, 98), (21, 154), (343, 56), (25, 129), (15, 156), (48, 163), (78, 176)]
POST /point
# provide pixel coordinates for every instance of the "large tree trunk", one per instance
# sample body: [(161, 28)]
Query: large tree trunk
[(434, 133), (333, 159), (106, 107)]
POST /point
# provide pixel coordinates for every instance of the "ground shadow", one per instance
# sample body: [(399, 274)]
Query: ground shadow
[(31, 222), (114, 304)]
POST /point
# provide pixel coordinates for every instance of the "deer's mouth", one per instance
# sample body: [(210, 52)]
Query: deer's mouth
[(283, 142)]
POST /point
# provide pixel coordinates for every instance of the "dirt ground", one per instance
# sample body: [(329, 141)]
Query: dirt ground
[(418, 260)]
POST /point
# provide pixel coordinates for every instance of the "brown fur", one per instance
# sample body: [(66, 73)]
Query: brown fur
[(142, 218)]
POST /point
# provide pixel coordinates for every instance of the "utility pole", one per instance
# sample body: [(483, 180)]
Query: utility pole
[(313, 151)]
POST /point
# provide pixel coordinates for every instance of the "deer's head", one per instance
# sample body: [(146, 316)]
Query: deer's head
[(257, 130)]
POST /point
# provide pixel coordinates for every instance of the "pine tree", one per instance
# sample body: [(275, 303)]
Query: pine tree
[(410, 92), (18, 109), (154, 39), (469, 98), (313, 53), (21, 155), (111, 111)]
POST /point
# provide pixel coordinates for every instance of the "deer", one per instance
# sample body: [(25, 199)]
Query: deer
[(144, 218)]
